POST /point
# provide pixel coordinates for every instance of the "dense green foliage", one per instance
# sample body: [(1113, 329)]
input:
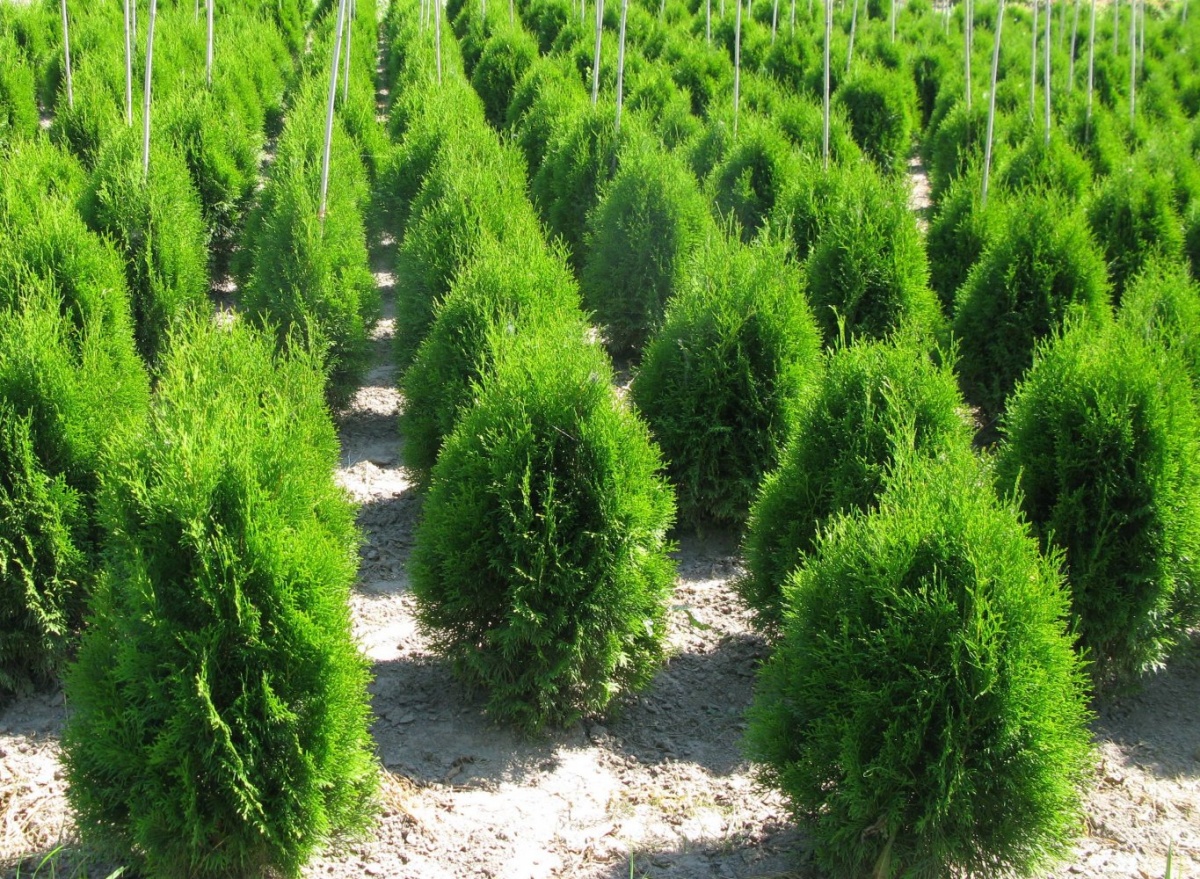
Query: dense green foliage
[(1162, 303), (878, 103), (640, 238), (723, 382), (924, 711), (748, 181), (219, 706), (959, 233), (874, 398), (1041, 268), (540, 565), (1101, 440)]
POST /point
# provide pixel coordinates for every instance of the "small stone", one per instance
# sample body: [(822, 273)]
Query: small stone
[(408, 717)]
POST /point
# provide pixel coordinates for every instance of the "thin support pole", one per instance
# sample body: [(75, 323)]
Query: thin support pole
[(621, 63), (596, 59), (737, 65), (828, 35), (333, 81), (991, 124), (146, 107), (128, 70), (67, 57)]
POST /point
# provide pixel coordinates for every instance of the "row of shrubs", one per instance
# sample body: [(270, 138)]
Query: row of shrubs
[(219, 713), (540, 565)]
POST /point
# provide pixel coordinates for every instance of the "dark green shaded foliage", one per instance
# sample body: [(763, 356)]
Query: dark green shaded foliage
[(956, 146), (723, 382), (540, 565), (1102, 441), (1132, 217), (311, 276), (515, 288), (710, 147), (219, 722), (1099, 139), (878, 104), (705, 72), (639, 240), (1041, 268), (158, 228), (958, 235), (507, 56), (461, 205), (748, 181), (583, 157), (41, 564), (874, 398), (867, 272), (924, 712)]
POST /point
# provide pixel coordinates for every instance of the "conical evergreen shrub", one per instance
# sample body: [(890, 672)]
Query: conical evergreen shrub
[(507, 56), (1103, 441), (872, 396), (867, 273), (540, 565), (219, 705), (722, 383), (640, 237), (807, 201), (505, 291), (157, 225), (879, 105), (1041, 268), (748, 181), (959, 233), (1054, 166), (1132, 217), (1162, 303), (924, 712)]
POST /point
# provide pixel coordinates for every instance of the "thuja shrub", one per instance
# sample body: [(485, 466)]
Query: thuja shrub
[(546, 93), (956, 145), (1041, 269), (924, 712), (747, 183), (879, 106), (802, 121), (1162, 305), (507, 56), (583, 157), (723, 382), (41, 563), (541, 564), (509, 289), (959, 233), (1133, 216), (1056, 166), (219, 722), (1102, 441), (311, 274), (461, 205), (37, 171), (808, 200), (867, 272), (18, 93), (639, 239), (157, 225), (876, 402)]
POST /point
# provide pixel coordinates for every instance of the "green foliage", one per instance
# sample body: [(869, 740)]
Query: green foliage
[(806, 202), (547, 93), (311, 274), (924, 712), (747, 182), (803, 123), (878, 104), (18, 93), (36, 171), (471, 195), (1132, 217), (1102, 440), (1054, 166), (959, 233), (639, 239), (1041, 268), (1162, 304), (41, 564), (867, 272), (956, 145), (219, 722), (874, 398), (157, 225), (506, 290), (582, 158), (507, 56), (540, 565), (723, 382)]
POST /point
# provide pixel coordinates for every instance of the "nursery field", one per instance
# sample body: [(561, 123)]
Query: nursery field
[(669, 438)]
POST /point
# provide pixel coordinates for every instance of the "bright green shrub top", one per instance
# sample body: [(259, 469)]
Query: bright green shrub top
[(1054, 166), (540, 565), (1041, 267), (925, 713), (867, 272), (548, 90), (507, 289), (1162, 303), (158, 228), (873, 398), (959, 233), (219, 722), (1132, 217), (722, 383), (1102, 441), (808, 199), (18, 93), (879, 105), (507, 56), (748, 181), (650, 220)]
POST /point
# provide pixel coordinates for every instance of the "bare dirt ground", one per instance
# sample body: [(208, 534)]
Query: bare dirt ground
[(658, 789)]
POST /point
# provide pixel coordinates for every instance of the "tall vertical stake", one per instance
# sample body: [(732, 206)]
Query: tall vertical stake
[(621, 63), (828, 35), (437, 36), (1046, 73), (969, 38), (1071, 64), (208, 54), (1033, 59), (333, 82), (596, 60), (128, 70), (737, 65), (987, 149), (346, 63), (853, 28), (146, 107), (67, 57), (1091, 62)]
